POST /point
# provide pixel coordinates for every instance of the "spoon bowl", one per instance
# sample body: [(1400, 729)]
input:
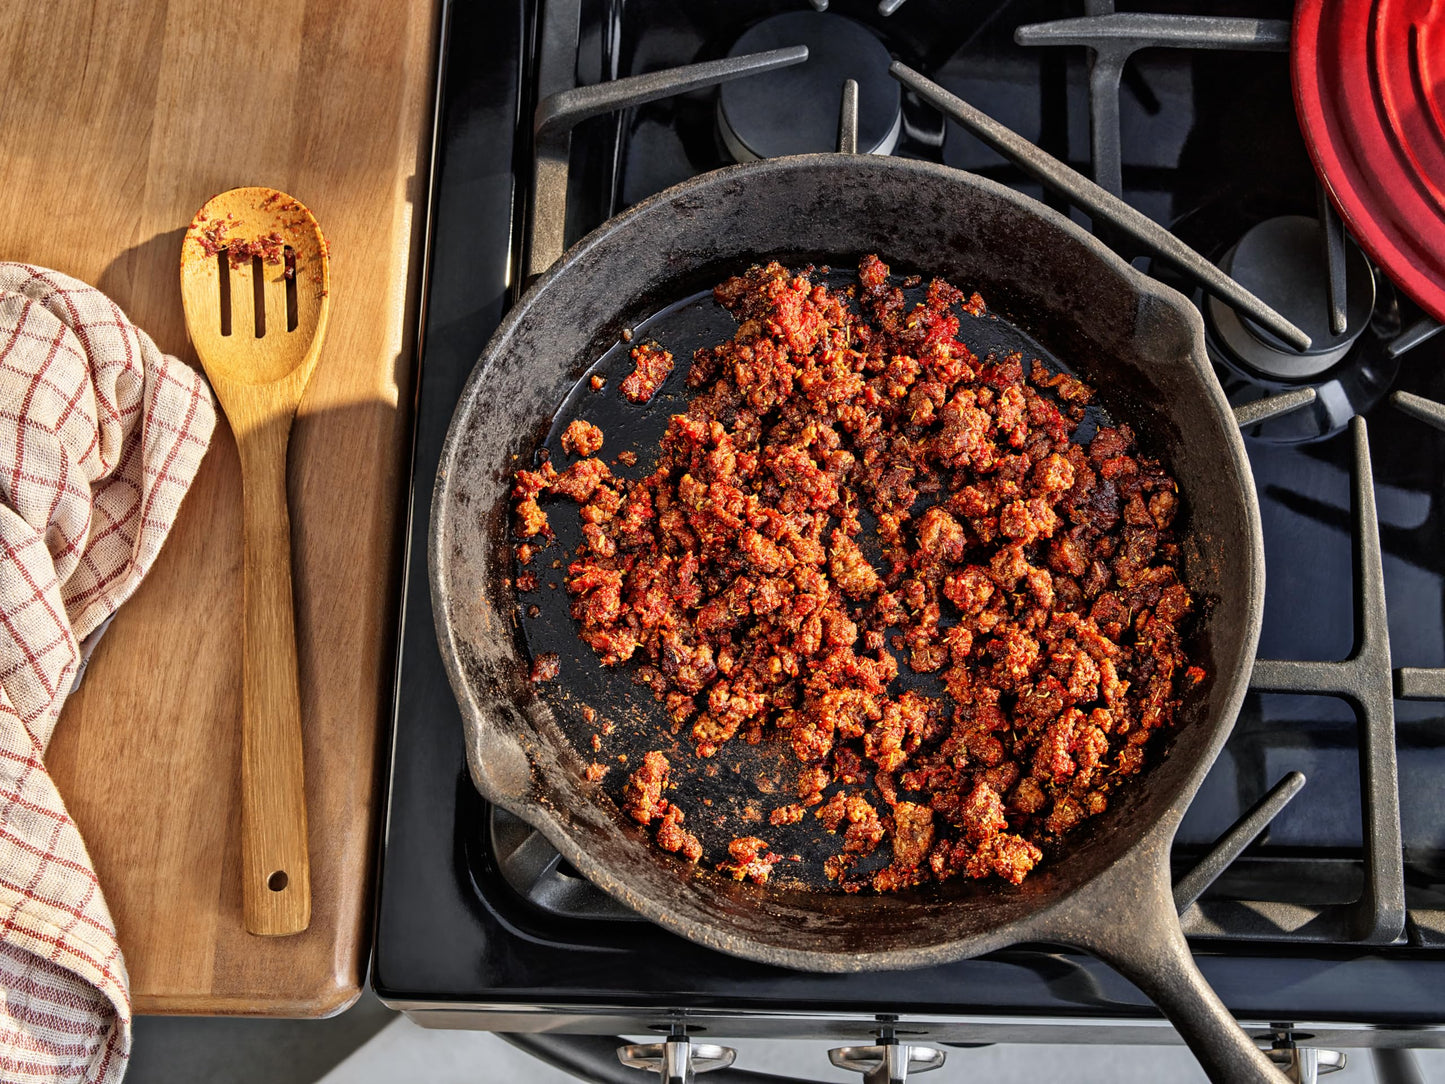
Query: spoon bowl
[(255, 284)]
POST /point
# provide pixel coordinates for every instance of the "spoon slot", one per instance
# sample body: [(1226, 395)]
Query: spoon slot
[(292, 312), (273, 274), (245, 301), (224, 279), (258, 287)]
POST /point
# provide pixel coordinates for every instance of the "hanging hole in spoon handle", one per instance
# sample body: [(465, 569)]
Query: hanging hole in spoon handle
[(1126, 917)]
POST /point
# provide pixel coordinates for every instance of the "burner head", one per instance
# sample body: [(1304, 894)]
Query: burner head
[(1282, 261), (795, 110)]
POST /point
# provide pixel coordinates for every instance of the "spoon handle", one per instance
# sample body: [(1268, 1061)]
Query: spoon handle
[(275, 869)]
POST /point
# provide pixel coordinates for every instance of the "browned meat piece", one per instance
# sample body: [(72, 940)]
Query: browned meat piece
[(1028, 521), (836, 865), (1009, 856), (811, 782), (1051, 756), (671, 836), (642, 796), (940, 537), (581, 438), (530, 484), (580, 481), (531, 520), (743, 579), (982, 814), (912, 833), (595, 772), (545, 667), (865, 831), (751, 859), (850, 570), (1109, 443), (1054, 474), (651, 364), (786, 814), (833, 811), (1028, 798), (970, 589)]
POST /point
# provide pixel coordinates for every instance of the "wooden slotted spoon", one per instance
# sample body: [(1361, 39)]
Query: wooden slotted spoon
[(255, 286)]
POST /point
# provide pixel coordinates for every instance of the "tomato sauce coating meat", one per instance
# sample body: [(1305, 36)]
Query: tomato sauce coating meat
[(1034, 574)]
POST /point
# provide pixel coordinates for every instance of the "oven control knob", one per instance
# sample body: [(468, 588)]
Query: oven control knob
[(888, 1062), (678, 1060), (1305, 1064)]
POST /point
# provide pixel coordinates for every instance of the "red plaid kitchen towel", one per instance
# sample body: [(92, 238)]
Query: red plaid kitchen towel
[(100, 437)]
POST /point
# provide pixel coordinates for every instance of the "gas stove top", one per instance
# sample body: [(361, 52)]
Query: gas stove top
[(1327, 908)]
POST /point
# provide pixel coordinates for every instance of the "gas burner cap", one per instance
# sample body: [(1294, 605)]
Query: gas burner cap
[(1282, 261), (795, 110)]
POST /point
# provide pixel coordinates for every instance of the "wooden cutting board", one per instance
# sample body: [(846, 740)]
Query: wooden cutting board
[(121, 118)]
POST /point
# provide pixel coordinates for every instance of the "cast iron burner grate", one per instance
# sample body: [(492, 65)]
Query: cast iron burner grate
[(1365, 679)]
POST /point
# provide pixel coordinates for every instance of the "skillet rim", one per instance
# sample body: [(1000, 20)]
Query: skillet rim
[(547, 818)]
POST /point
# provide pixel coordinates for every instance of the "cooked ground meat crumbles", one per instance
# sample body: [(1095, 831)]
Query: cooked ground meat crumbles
[(850, 478), (642, 800), (582, 438), (651, 365), (751, 858), (672, 837)]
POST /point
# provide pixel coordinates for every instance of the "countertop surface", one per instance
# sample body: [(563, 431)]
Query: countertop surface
[(121, 118)]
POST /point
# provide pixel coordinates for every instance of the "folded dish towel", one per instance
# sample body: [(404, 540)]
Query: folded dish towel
[(100, 437)]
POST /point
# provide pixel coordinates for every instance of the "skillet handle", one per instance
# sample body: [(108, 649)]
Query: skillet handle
[(1130, 923)]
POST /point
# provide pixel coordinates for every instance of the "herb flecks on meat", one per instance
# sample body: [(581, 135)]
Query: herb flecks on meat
[(1034, 575)]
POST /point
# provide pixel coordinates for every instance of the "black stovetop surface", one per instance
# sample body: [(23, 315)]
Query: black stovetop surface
[(1210, 146)]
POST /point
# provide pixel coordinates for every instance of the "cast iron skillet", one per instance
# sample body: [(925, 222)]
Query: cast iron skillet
[(1140, 344)]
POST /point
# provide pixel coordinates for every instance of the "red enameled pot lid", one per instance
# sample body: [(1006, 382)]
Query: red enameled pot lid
[(1369, 88)]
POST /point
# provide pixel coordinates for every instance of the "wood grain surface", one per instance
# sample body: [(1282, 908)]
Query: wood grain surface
[(121, 118)]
